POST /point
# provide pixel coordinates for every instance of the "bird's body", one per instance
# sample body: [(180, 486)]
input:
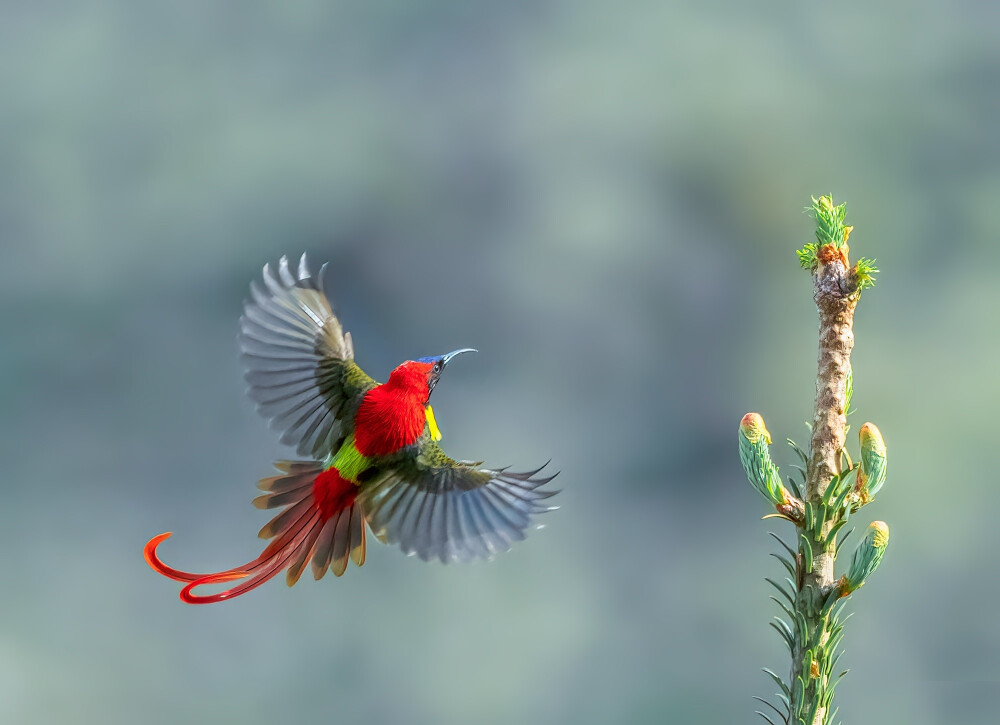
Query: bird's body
[(375, 461)]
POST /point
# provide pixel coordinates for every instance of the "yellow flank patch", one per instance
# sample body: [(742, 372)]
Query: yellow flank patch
[(348, 460), (432, 424)]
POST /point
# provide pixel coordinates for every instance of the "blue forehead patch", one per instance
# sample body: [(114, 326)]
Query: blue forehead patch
[(431, 359)]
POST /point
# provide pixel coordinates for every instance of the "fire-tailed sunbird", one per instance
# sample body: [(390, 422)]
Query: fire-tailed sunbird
[(374, 456)]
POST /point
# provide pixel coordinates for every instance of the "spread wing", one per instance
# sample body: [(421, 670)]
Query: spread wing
[(299, 361), (439, 508)]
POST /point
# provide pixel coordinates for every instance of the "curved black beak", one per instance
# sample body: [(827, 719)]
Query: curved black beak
[(445, 359)]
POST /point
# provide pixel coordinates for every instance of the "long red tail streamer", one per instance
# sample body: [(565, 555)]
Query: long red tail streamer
[(315, 517)]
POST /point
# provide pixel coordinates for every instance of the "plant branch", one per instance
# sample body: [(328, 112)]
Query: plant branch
[(832, 485), (836, 293)]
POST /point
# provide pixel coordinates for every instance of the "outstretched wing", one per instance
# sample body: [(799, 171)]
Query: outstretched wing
[(439, 508), (299, 362)]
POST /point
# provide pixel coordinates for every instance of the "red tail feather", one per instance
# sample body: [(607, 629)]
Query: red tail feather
[(323, 531)]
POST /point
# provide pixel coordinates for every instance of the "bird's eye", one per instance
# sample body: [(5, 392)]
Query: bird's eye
[(437, 366)]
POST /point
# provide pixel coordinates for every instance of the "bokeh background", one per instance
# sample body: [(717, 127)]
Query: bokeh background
[(605, 199)]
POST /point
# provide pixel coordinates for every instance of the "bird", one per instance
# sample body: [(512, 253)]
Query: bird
[(372, 454)]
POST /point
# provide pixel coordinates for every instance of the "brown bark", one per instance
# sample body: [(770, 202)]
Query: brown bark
[(836, 294)]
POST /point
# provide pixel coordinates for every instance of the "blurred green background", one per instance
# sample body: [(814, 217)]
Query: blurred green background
[(605, 199)]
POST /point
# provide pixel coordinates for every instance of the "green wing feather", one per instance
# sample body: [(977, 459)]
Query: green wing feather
[(300, 367), (438, 508)]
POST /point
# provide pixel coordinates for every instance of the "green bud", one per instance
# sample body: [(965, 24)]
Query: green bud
[(871, 471), (756, 459), (866, 557), (830, 227)]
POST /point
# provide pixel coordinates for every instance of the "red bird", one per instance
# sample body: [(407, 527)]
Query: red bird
[(375, 461)]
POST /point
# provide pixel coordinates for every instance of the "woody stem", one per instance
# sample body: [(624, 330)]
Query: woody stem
[(836, 294)]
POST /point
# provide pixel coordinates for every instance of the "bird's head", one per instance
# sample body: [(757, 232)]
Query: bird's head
[(424, 371), (437, 364)]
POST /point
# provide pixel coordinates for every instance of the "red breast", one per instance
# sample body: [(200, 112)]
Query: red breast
[(391, 416)]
